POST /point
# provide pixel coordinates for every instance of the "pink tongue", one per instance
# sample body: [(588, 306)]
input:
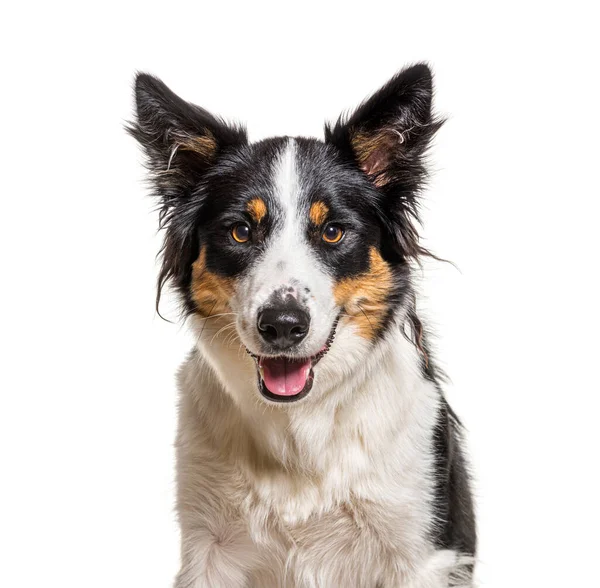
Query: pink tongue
[(285, 377)]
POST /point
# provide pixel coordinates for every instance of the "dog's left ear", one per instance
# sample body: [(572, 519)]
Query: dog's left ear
[(387, 137)]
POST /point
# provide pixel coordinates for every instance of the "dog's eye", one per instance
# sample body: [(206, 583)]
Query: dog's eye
[(332, 234), (241, 232)]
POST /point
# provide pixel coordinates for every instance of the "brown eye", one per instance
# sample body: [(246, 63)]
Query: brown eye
[(241, 233), (332, 234)]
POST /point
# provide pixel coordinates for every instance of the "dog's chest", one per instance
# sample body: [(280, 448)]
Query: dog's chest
[(356, 529), (353, 490), (294, 498)]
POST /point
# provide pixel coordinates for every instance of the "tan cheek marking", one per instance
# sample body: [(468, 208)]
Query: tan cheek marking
[(318, 213), (210, 292), (365, 297), (257, 209)]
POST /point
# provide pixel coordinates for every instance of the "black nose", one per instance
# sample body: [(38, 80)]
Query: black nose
[(283, 326)]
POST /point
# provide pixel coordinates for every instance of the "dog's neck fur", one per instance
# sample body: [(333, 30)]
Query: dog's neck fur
[(333, 448)]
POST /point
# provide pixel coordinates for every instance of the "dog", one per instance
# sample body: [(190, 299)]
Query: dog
[(315, 448)]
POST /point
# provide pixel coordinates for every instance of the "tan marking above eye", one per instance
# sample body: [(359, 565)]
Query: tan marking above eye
[(364, 298), (318, 213), (257, 209)]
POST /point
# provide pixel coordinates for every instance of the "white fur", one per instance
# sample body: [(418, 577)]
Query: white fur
[(332, 491)]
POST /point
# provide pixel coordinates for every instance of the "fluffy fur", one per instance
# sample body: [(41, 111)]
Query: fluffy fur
[(298, 253)]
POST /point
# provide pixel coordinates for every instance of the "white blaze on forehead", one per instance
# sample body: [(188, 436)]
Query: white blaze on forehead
[(288, 254), (287, 246), (287, 183)]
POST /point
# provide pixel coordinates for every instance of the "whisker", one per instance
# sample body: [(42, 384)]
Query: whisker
[(202, 331), (227, 326), (366, 315), (230, 338), (205, 318)]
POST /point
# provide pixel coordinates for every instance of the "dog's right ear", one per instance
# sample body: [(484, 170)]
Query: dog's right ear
[(181, 140)]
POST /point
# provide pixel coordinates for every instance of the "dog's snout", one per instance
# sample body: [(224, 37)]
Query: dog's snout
[(283, 326)]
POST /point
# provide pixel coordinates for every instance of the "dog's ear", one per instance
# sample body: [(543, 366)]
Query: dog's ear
[(181, 140), (387, 137)]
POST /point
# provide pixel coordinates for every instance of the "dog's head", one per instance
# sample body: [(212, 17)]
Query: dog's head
[(290, 246)]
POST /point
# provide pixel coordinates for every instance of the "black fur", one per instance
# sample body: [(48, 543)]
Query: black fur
[(454, 512)]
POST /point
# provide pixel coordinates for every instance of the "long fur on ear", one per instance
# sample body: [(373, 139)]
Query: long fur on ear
[(181, 142), (387, 137)]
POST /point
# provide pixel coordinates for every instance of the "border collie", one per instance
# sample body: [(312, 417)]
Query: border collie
[(315, 447)]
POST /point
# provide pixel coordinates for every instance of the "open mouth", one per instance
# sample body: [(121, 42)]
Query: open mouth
[(288, 379)]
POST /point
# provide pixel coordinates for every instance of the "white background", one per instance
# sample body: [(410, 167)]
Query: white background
[(87, 409)]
